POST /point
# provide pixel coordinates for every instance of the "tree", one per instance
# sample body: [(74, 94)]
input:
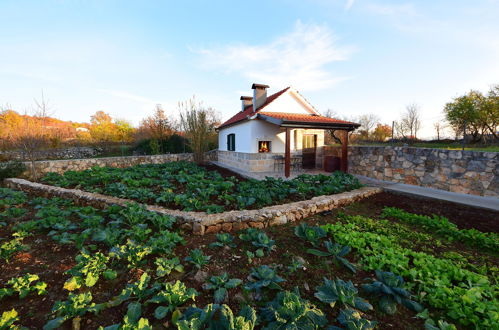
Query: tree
[(381, 132), (367, 123), (156, 126), (473, 111), (124, 130), (410, 122), (438, 128), (102, 128), (198, 124)]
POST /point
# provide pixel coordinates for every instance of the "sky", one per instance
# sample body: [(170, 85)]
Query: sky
[(352, 56)]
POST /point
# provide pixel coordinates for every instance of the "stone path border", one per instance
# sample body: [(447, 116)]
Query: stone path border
[(200, 222)]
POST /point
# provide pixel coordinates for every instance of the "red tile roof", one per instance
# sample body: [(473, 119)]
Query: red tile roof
[(248, 111), (299, 117)]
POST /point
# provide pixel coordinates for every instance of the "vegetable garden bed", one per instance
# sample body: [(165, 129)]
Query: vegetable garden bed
[(127, 267), (188, 187)]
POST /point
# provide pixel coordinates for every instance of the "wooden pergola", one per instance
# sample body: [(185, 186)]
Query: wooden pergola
[(312, 122)]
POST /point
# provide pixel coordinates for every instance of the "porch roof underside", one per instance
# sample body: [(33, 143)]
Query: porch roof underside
[(290, 123)]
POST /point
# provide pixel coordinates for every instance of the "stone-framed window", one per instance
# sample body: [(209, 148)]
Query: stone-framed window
[(231, 142)]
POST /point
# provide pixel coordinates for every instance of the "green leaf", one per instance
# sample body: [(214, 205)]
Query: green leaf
[(134, 311), (110, 274), (160, 312), (73, 283), (54, 324), (219, 295), (318, 253), (91, 279), (387, 305)]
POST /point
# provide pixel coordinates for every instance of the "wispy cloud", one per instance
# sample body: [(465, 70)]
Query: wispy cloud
[(349, 4), (299, 58)]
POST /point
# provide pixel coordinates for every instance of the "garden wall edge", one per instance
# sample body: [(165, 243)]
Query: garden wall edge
[(201, 223)]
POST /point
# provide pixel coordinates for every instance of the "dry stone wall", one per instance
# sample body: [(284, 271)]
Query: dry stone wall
[(201, 223), (60, 166), (469, 172)]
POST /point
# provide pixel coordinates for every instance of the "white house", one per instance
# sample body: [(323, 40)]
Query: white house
[(282, 131)]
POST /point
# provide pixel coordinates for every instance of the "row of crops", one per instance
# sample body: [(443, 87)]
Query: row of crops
[(130, 269), (189, 187)]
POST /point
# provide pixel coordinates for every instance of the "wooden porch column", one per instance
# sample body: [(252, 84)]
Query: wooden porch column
[(344, 151), (287, 154)]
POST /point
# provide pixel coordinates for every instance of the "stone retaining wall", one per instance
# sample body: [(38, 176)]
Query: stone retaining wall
[(469, 172), (200, 222), (60, 166)]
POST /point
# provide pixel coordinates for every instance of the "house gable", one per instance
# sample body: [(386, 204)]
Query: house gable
[(291, 102)]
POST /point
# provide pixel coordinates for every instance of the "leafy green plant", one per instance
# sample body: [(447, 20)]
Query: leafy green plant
[(89, 267), (165, 241), (289, 311), (22, 285), (295, 265), (11, 169), (165, 266), (442, 226), (11, 247), (170, 297), (390, 289), (352, 320), (197, 258), (132, 319), (311, 234), (75, 305), (345, 293), (258, 239), (224, 239), (337, 251), (218, 317), (465, 296), (8, 319), (439, 325), (220, 284), (263, 277), (132, 252)]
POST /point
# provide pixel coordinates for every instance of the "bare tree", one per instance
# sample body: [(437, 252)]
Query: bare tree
[(410, 121), (439, 127), (198, 123), (367, 123)]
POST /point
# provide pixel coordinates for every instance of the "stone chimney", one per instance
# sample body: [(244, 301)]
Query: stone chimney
[(259, 95), (246, 101)]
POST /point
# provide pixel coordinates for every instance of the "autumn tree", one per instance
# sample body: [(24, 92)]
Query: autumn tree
[(157, 126), (102, 128), (438, 129), (381, 132)]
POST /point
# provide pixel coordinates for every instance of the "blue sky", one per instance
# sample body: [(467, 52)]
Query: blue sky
[(353, 56)]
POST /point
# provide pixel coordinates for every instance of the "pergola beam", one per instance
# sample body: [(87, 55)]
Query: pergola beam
[(344, 151), (287, 154)]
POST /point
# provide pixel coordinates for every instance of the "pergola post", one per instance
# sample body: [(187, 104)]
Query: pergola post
[(287, 154), (344, 151)]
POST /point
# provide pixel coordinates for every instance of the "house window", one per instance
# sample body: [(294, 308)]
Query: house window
[(231, 142), (264, 146)]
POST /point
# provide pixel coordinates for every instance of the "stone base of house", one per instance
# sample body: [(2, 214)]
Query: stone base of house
[(258, 162), (201, 223)]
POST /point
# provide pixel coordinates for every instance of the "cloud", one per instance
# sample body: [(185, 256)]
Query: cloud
[(349, 4), (299, 58)]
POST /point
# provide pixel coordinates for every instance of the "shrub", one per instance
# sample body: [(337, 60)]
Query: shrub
[(11, 169)]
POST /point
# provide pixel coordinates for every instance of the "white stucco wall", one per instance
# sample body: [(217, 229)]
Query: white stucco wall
[(249, 132), (287, 103)]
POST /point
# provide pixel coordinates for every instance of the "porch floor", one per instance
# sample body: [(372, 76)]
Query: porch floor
[(262, 175)]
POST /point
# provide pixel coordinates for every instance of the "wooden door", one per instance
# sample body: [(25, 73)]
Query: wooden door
[(309, 150)]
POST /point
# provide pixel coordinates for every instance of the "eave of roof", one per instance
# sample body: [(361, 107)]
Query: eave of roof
[(293, 120)]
